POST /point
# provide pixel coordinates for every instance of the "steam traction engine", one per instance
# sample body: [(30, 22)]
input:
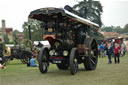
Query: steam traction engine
[(67, 35)]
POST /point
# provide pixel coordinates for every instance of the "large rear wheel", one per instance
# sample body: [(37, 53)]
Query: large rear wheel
[(43, 60), (90, 61), (73, 61)]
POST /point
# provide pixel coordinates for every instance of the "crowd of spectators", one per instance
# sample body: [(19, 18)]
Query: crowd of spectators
[(111, 49)]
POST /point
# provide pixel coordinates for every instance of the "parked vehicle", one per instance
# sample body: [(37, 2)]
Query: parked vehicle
[(69, 43)]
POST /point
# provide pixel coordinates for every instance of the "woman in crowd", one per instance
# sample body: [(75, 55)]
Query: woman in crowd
[(117, 53)]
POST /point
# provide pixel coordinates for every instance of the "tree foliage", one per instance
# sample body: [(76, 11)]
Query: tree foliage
[(108, 29), (36, 30), (117, 29), (90, 9), (125, 30), (16, 32), (6, 39), (94, 33)]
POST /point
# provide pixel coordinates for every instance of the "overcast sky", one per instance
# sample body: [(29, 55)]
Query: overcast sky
[(15, 12)]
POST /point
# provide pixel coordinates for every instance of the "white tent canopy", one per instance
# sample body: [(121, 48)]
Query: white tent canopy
[(45, 43)]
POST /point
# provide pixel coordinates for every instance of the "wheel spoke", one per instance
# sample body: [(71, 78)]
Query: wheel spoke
[(76, 68), (94, 57), (92, 61), (92, 44), (93, 53), (93, 50), (44, 59)]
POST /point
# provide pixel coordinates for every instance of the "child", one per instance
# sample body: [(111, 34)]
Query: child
[(33, 62)]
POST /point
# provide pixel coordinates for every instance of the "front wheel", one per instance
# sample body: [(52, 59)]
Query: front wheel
[(73, 61), (43, 60)]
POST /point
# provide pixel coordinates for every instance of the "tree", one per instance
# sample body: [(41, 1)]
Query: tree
[(16, 32), (108, 29), (94, 33), (125, 30), (6, 39), (118, 29), (36, 29), (91, 10)]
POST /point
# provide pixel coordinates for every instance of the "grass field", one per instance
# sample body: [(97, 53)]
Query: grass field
[(105, 74)]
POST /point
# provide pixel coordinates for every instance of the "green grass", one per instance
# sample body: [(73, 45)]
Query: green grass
[(17, 73)]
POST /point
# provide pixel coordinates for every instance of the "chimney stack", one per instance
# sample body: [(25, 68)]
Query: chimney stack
[(3, 27), (3, 24)]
